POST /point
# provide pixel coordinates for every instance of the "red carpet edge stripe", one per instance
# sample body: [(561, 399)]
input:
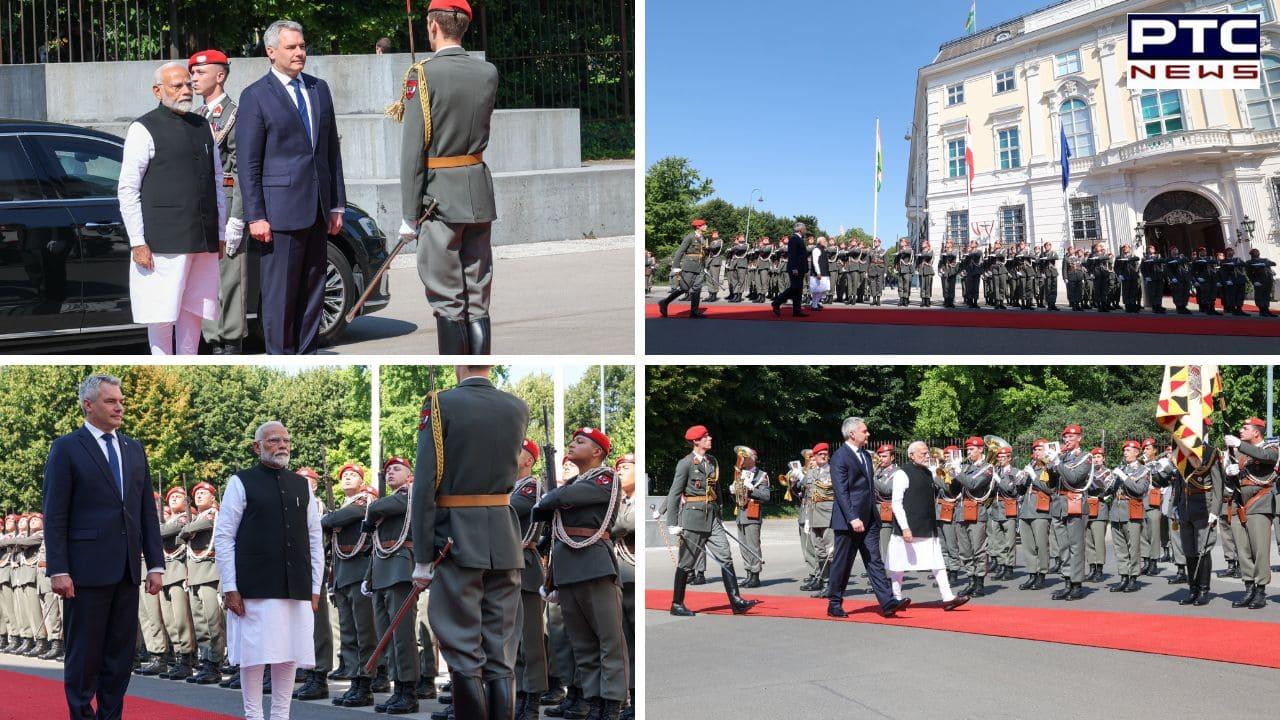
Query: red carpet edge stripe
[(1241, 642), (1015, 319), (31, 697)]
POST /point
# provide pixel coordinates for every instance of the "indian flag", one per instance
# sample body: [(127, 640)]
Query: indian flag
[(1188, 399), (971, 22), (879, 158)]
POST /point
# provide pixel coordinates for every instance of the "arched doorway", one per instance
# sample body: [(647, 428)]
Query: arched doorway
[(1181, 219)]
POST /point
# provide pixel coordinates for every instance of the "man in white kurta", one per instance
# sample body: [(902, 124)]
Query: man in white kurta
[(270, 631), (909, 552), (170, 292)]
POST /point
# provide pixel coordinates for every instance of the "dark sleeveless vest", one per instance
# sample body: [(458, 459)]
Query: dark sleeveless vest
[(179, 202), (917, 502), (273, 551)]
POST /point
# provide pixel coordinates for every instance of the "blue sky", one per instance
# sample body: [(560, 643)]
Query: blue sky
[(784, 97)]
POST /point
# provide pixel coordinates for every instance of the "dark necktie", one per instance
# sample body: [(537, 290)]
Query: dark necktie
[(113, 461), (296, 83)]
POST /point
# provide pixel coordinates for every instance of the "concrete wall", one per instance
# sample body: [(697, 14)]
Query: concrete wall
[(22, 92)]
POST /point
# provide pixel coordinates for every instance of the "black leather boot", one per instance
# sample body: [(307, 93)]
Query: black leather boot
[(425, 689), (452, 336), (1055, 566), (208, 674), (1259, 597), (523, 700), (555, 693), (1180, 577), (469, 699), (314, 688), (402, 702), (736, 601), (38, 648), (1192, 597), (976, 588), (1062, 592), (1247, 598), (677, 598), (1030, 582), (54, 652), (1204, 597), (1076, 592), (1234, 565), (1123, 586), (753, 580), (233, 679), (501, 698), (1039, 582), (342, 673), (180, 670), (572, 706), (610, 709), (380, 683), (699, 578), (478, 335), (358, 695)]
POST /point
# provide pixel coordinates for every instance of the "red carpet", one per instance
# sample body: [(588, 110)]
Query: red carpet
[(1016, 319), (27, 697), (1242, 642)]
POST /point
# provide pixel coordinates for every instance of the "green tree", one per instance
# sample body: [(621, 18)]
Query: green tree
[(582, 405), (672, 188)]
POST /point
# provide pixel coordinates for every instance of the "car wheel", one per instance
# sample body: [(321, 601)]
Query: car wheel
[(339, 295)]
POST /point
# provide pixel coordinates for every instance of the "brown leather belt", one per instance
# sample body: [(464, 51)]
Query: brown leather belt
[(695, 498), (435, 163), (346, 548), (585, 532), (408, 544), (460, 501), (228, 181)]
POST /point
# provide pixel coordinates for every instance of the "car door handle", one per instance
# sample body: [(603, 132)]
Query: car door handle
[(101, 225)]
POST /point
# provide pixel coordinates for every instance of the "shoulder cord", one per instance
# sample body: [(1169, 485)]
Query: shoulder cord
[(532, 531), (557, 524), (395, 110), (219, 136), (179, 551), (991, 487), (360, 543), (204, 554), (384, 554), (1269, 477)]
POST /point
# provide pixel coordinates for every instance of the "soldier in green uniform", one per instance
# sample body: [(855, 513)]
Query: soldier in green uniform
[(1251, 473), (882, 486), (903, 269), (531, 657), (822, 500), (584, 571), (50, 603), (1033, 516), (796, 476), (1002, 521), (975, 476), (175, 606), (447, 106), (1129, 484), (1155, 526), (946, 498), (467, 459), (1047, 262), (351, 551), (624, 541), (203, 582), (155, 639), (738, 269), (1196, 498), (8, 615), (715, 264), (315, 681), (687, 268), (1263, 279), (750, 508), (390, 578), (26, 596), (209, 71), (924, 267), (876, 272), (857, 272), (1098, 496), (1070, 471)]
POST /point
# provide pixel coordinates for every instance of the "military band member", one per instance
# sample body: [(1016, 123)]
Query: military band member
[(1155, 525), (1251, 472), (585, 573), (1033, 516), (797, 474), (903, 268), (948, 268), (691, 508), (1070, 471), (763, 287), (687, 267), (822, 501), (974, 476), (738, 269), (1002, 522), (444, 140), (1102, 261), (1204, 273), (755, 483), (882, 486), (174, 603), (844, 274), (1098, 497), (203, 585), (924, 267), (715, 264), (1047, 264), (1129, 483), (50, 603), (531, 655), (351, 551), (1196, 498), (390, 578), (1177, 276), (948, 517), (1263, 278)]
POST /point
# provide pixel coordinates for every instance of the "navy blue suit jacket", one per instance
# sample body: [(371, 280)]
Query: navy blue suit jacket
[(851, 483), (797, 255), (283, 179), (88, 531)]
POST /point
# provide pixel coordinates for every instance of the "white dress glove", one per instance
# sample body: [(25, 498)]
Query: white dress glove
[(1233, 470), (234, 235), (1050, 456), (657, 514), (1231, 441), (364, 589), (423, 572), (1213, 519), (408, 229), (552, 597)]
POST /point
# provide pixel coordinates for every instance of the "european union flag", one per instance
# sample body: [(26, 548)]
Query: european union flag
[(1066, 156)]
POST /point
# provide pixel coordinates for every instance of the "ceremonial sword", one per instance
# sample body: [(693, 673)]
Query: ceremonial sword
[(404, 610)]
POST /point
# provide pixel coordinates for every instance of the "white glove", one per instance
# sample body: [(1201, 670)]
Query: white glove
[(1233, 470), (1213, 519), (675, 529), (1118, 474), (552, 597), (1050, 456), (234, 234), (423, 572), (408, 229), (1231, 441), (657, 514), (364, 589), (675, 271)]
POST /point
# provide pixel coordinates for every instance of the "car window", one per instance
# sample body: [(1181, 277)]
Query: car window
[(80, 167), (17, 176)]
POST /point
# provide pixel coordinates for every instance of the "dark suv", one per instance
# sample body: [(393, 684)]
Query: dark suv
[(64, 253)]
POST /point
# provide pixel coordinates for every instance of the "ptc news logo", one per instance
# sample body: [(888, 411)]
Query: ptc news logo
[(1196, 50)]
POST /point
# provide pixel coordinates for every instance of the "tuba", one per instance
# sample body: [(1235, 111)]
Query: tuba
[(738, 487), (995, 444)]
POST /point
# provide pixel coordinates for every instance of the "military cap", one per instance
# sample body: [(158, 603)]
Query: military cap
[(974, 441), (1096, 451), (1149, 442), (531, 447), (461, 6), (206, 57), (1132, 444), (1257, 422), (624, 459), (307, 472), (393, 460), (820, 448), (204, 486), (887, 447), (696, 433), (351, 466), (597, 437), (172, 490), (699, 223), (1072, 430)]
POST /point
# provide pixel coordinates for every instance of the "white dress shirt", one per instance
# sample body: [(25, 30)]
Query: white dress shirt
[(139, 149)]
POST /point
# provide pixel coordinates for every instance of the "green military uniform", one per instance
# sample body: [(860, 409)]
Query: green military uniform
[(227, 332), (1254, 497), (1033, 523), (976, 480), (1155, 532), (8, 614), (51, 606), (624, 541), (822, 500), (155, 639), (924, 266), (903, 268), (947, 498), (756, 483), (690, 260), (203, 582), (26, 595), (1196, 496), (316, 684), (738, 270), (1070, 474), (876, 271), (715, 264), (1047, 296), (800, 489), (1131, 481), (468, 442), (390, 577), (175, 605), (584, 571), (358, 634), (1095, 539), (857, 273), (531, 657), (1002, 521), (442, 159), (882, 485)]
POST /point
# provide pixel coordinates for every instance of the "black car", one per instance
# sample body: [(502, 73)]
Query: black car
[(64, 252)]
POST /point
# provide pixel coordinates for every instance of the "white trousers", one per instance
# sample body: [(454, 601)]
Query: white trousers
[(939, 576), (281, 690)]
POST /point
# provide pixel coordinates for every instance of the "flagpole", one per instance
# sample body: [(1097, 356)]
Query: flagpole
[(875, 191)]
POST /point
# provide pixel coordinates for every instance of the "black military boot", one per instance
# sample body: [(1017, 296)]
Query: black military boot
[(1192, 597), (753, 580), (479, 336), (976, 589), (1180, 577), (1061, 593), (445, 713), (554, 694), (180, 670), (23, 646), (1123, 586), (452, 336), (469, 699), (315, 687), (523, 699), (1030, 582), (425, 689), (357, 695), (1039, 582), (500, 697), (38, 648), (1259, 597), (573, 706), (1204, 597), (1095, 573), (402, 702), (809, 583), (380, 683), (736, 601), (699, 578), (1055, 566), (1235, 569), (341, 673), (233, 679), (677, 597), (610, 709), (1250, 589), (819, 588), (209, 674), (54, 652), (300, 675), (1076, 592)]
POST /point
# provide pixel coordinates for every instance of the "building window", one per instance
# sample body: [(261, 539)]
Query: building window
[(1161, 111), (958, 228), (1264, 103), (1253, 6), (1005, 81), (1007, 142), (955, 159), (1074, 115), (1013, 228), (1067, 63), (1084, 219), (955, 94), (1275, 196)]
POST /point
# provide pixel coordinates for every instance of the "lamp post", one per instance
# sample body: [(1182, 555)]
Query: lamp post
[(1244, 233), (1140, 234), (747, 234)]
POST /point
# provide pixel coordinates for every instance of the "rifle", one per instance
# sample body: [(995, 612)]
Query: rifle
[(187, 492), (548, 455), (386, 265), (409, 602)]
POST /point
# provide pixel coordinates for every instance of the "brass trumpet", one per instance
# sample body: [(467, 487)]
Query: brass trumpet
[(995, 444)]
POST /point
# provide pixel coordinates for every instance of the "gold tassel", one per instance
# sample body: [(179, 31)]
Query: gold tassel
[(395, 111)]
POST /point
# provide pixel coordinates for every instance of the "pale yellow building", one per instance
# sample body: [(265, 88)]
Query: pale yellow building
[(1174, 167)]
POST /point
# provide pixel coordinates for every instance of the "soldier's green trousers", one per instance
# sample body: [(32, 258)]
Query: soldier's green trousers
[(531, 658), (950, 547), (857, 285), (1175, 543), (455, 263), (971, 541), (713, 281), (1155, 533), (1126, 536), (1003, 535), (53, 618), (593, 617), (176, 608), (8, 616), (749, 534), (402, 653), (1253, 547), (427, 664), (1035, 544), (1071, 540), (1197, 541), (28, 601), (473, 615), (808, 551), (154, 637), (561, 663), (322, 636), (232, 292), (209, 618), (357, 637), (629, 625), (1095, 543), (1228, 536)]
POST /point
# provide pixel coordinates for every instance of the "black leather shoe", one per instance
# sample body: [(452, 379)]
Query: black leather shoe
[(777, 309), (452, 337), (1180, 577), (469, 699), (500, 695), (799, 313), (1259, 597), (1249, 590), (955, 602), (479, 336), (835, 610), (886, 611), (444, 714), (314, 688), (1204, 597), (155, 667)]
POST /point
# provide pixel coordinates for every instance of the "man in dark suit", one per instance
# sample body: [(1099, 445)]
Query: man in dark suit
[(99, 517), (797, 266), (291, 188), (856, 524)]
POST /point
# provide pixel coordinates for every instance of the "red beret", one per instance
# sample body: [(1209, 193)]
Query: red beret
[(1072, 430), (1004, 451), (1096, 451), (1149, 442), (595, 436), (821, 447), (950, 448), (1255, 421), (695, 433), (307, 472), (624, 459), (1039, 443), (37, 516), (461, 6), (887, 447), (351, 466), (1132, 444), (974, 441), (531, 447), (173, 490), (205, 486), (11, 516), (699, 223), (205, 57), (393, 460)]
